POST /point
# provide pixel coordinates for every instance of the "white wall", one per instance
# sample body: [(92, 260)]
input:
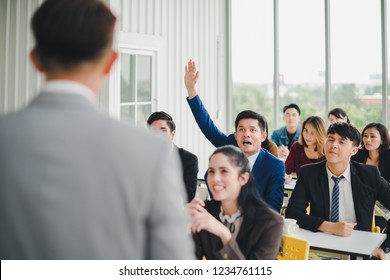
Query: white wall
[(19, 82), (189, 28)]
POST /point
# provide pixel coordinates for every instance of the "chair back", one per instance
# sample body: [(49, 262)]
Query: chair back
[(375, 228), (293, 248)]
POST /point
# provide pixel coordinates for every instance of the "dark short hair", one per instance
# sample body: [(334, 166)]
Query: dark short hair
[(161, 115), (292, 106), (383, 132), (68, 32), (248, 114), (339, 113), (345, 130)]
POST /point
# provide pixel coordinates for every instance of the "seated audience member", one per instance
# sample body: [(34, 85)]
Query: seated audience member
[(338, 115), (189, 162), (375, 151), (237, 224), (341, 193), (285, 136), (375, 148), (268, 171), (309, 148)]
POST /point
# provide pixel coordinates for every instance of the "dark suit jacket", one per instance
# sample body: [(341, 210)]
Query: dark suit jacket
[(312, 187), (259, 236), (189, 163), (268, 171), (384, 161)]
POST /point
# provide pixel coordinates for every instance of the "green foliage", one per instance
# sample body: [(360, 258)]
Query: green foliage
[(311, 100), (252, 97), (346, 96)]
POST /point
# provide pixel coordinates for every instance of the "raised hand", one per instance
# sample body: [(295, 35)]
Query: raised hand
[(191, 78)]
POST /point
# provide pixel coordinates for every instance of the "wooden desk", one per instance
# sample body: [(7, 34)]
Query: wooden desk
[(362, 244)]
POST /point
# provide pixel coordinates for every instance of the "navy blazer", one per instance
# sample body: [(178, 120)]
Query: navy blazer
[(268, 171), (312, 187)]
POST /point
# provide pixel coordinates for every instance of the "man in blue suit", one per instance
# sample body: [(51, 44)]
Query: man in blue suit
[(268, 171)]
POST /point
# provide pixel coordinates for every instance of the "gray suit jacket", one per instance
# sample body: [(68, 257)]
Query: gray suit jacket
[(76, 184)]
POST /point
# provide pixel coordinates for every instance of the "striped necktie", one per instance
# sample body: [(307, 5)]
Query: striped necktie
[(334, 213)]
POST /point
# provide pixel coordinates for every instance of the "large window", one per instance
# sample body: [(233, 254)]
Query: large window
[(388, 57), (252, 60), (356, 59), (328, 53), (302, 56)]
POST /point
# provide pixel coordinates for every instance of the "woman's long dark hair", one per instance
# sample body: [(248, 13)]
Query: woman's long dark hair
[(248, 195), (339, 113)]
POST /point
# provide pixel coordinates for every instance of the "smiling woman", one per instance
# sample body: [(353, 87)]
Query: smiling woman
[(237, 224)]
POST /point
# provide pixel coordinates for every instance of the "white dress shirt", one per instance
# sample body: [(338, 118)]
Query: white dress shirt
[(252, 159), (346, 204), (69, 87)]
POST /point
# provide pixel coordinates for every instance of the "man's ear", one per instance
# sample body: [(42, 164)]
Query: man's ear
[(235, 135), (354, 150), (36, 62), (112, 56), (263, 136)]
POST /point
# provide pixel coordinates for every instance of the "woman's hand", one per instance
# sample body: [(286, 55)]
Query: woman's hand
[(203, 220)]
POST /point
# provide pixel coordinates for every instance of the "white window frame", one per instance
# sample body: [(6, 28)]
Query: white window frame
[(138, 44)]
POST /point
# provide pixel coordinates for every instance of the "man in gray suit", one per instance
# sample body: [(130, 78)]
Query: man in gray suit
[(75, 184)]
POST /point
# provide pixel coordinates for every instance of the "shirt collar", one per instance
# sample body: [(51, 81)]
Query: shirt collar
[(69, 87), (346, 173), (252, 159)]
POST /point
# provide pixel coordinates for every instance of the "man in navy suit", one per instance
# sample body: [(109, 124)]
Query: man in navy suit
[(268, 171), (359, 186)]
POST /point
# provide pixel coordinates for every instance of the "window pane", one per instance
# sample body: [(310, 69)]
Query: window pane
[(143, 113), (388, 59), (128, 113), (302, 56), (144, 77), (252, 57), (127, 83), (356, 59)]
